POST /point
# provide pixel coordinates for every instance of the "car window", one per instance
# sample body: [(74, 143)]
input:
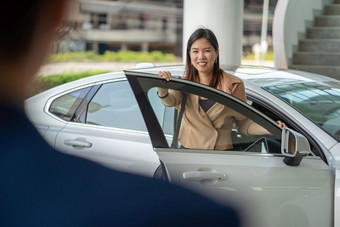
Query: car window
[(234, 126), (66, 105), (114, 105), (320, 101), (263, 109), (165, 115)]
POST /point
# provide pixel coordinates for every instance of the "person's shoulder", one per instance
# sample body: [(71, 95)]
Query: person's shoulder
[(230, 83)]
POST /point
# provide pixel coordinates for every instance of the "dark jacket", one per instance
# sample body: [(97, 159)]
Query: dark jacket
[(42, 187)]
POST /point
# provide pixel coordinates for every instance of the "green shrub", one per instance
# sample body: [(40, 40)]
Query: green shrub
[(42, 83), (269, 56), (121, 56), (110, 56), (75, 56)]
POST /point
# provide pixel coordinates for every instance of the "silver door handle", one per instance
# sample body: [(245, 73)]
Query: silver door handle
[(201, 176), (78, 143)]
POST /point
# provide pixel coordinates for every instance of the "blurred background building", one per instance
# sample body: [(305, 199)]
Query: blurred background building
[(138, 25)]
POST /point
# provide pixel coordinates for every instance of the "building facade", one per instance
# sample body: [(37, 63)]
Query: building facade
[(138, 25)]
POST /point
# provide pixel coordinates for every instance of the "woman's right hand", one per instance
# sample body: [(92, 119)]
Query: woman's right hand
[(165, 74)]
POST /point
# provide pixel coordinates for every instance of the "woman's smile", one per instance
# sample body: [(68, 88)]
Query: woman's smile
[(202, 63)]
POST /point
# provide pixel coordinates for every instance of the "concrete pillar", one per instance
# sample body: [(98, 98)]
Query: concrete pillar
[(224, 18), (123, 47), (95, 47), (145, 47), (109, 21)]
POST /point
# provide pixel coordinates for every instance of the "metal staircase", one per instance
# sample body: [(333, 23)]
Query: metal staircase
[(319, 52)]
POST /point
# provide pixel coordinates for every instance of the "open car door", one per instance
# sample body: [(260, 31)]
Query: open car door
[(255, 176)]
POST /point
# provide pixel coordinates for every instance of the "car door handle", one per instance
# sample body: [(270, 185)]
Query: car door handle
[(78, 143), (204, 176)]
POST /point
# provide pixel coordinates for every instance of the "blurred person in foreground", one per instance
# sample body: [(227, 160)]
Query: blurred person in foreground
[(43, 187)]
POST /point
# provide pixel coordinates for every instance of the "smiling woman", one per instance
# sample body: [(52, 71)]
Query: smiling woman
[(202, 66)]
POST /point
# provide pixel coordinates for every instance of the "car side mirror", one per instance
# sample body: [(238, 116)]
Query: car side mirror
[(294, 147)]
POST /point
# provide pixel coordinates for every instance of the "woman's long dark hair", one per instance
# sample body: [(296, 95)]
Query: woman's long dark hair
[(190, 70)]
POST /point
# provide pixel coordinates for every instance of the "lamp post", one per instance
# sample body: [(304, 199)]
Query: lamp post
[(264, 44)]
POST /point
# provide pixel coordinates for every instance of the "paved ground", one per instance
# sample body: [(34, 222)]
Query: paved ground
[(64, 67)]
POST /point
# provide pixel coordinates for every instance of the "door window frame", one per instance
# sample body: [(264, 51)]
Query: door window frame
[(141, 83)]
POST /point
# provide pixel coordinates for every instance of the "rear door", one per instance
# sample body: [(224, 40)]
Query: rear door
[(108, 128), (252, 175)]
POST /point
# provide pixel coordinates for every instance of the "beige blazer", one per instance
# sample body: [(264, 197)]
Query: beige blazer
[(212, 129)]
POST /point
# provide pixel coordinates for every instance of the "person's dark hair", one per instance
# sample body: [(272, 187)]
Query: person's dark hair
[(17, 23), (190, 70)]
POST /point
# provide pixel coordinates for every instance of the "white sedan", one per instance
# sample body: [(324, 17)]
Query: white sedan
[(286, 179)]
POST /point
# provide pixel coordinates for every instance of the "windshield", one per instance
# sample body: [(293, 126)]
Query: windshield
[(320, 101)]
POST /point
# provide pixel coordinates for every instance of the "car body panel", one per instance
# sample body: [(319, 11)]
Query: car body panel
[(111, 147), (261, 185), (47, 125), (336, 151), (246, 177)]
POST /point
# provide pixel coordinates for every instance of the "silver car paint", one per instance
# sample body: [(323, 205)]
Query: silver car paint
[(335, 150), (262, 186)]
